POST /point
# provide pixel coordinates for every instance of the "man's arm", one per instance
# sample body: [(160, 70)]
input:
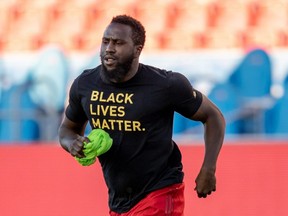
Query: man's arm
[(71, 137), (214, 130)]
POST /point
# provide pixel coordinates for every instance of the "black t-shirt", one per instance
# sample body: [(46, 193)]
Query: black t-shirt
[(138, 115)]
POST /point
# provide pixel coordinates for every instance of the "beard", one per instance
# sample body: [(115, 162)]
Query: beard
[(118, 73)]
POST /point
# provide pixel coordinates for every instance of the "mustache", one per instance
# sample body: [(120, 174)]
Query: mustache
[(107, 56)]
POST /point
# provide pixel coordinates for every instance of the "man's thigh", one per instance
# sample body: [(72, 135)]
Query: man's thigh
[(168, 201)]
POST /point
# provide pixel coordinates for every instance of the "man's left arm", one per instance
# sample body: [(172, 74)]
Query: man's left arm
[(214, 130)]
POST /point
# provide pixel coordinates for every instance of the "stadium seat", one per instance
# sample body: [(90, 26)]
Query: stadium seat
[(30, 110), (224, 95), (189, 16), (2, 43), (145, 12), (19, 114), (173, 12), (253, 75), (26, 32), (49, 78), (257, 39), (255, 11), (276, 121), (252, 79), (282, 38), (4, 19), (219, 38), (179, 124), (229, 19), (214, 10), (54, 11), (175, 40), (200, 40), (274, 16)]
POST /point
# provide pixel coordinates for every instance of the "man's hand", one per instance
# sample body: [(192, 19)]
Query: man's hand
[(76, 147), (205, 182)]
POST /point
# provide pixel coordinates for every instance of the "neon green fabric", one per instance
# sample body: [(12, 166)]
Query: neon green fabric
[(100, 143)]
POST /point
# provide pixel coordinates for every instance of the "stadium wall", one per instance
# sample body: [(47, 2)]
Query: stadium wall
[(41, 179)]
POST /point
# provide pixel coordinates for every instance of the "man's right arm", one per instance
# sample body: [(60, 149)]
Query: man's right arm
[(71, 137)]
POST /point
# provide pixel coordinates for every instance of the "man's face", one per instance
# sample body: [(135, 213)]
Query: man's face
[(117, 51)]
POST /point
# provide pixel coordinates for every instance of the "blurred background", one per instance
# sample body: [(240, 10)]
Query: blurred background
[(234, 51)]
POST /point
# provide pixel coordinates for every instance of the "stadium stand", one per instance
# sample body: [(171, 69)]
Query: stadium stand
[(72, 25), (253, 27), (31, 110)]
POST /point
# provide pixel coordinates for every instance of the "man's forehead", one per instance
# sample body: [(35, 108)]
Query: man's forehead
[(117, 31)]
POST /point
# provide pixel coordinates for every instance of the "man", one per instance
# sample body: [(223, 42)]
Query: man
[(135, 104)]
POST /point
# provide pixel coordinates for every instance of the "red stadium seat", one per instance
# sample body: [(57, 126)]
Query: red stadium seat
[(205, 24), (213, 12), (255, 10), (282, 38), (200, 40)]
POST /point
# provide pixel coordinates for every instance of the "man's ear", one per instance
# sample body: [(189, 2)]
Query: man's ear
[(138, 49)]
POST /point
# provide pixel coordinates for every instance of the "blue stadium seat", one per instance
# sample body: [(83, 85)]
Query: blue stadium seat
[(224, 95), (285, 84), (49, 77), (253, 76), (19, 114), (253, 79), (32, 110), (276, 117), (195, 127), (179, 124)]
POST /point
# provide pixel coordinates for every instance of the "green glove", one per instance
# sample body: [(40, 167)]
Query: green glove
[(100, 143)]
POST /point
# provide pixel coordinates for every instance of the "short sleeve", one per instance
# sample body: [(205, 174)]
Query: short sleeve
[(74, 110), (185, 99)]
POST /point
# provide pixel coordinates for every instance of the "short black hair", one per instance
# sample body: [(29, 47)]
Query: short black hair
[(138, 30)]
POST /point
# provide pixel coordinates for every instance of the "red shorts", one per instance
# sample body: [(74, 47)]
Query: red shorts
[(168, 201)]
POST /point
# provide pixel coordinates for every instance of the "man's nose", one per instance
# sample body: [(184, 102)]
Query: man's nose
[(110, 47)]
